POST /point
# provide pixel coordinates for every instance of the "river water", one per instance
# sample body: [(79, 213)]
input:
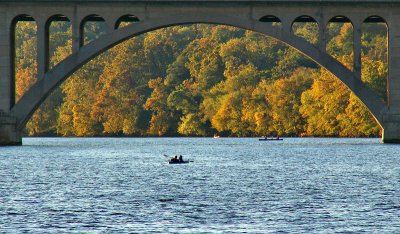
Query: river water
[(233, 185)]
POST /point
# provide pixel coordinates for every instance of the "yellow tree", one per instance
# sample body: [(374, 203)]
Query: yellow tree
[(322, 104), (284, 99)]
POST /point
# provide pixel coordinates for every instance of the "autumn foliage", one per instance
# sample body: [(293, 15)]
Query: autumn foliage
[(197, 80)]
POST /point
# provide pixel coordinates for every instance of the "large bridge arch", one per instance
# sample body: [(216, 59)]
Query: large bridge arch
[(32, 99)]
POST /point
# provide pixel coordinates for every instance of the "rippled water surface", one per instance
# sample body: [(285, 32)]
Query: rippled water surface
[(124, 185)]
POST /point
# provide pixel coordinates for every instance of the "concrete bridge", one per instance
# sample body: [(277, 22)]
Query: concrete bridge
[(255, 15)]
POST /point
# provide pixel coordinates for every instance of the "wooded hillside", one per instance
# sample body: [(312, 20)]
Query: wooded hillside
[(197, 80)]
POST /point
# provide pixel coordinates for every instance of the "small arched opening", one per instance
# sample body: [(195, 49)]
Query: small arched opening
[(125, 20), (307, 28), (271, 20), (374, 59), (91, 28), (340, 40), (23, 55), (59, 35)]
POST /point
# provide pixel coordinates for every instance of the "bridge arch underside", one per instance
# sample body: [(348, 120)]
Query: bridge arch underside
[(32, 99)]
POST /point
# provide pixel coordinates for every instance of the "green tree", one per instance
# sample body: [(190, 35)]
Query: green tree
[(192, 125)]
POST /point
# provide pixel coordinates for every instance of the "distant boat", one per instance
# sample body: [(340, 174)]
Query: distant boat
[(216, 136), (270, 139)]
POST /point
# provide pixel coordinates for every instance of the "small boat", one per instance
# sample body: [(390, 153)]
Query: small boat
[(270, 139), (183, 162), (176, 160), (216, 136)]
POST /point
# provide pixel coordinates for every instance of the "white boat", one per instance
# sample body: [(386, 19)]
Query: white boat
[(270, 139)]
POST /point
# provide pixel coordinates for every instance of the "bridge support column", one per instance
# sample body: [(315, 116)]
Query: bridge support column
[(391, 119), (357, 50), (391, 130), (6, 81), (77, 38), (9, 135), (42, 48)]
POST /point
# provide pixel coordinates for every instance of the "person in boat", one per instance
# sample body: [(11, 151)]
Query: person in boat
[(174, 159), (180, 158)]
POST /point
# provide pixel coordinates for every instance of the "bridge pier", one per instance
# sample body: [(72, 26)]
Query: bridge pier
[(391, 119), (391, 128), (9, 135), (391, 132)]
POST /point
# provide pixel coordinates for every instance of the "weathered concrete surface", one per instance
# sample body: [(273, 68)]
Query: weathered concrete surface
[(9, 135), (391, 133), (391, 129), (155, 14), (391, 120), (5, 78)]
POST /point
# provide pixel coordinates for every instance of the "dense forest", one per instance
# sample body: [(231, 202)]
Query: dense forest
[(198, 80)]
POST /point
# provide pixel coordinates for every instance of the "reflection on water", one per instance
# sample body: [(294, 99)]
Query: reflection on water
[(124, 185)]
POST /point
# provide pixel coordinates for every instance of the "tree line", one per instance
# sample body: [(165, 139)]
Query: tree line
[(198, 80)]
